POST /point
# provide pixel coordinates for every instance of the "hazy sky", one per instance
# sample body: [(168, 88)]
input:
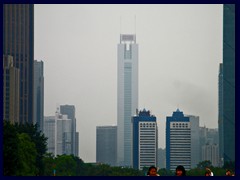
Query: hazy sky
[(180, 48)]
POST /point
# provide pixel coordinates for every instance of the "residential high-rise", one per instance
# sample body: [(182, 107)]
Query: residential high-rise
[(38, 94), (11, 82), (127, 95), (18, 42), (69, 110), (178, 141), (145, 140), (106, 145), (229, 82)]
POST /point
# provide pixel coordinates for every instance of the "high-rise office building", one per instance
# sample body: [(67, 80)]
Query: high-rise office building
[(229, 82), (210, 152), (161, 158), (106, 145), (18, 42), (69, 110), (77, 144), (127, 95), (195, 144), (63, 132), (145, 140), (49, 130), (11, 82), (178, 141), (209, 137), (38, 94)]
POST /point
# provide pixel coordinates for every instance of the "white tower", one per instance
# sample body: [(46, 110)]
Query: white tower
[(127, 100)]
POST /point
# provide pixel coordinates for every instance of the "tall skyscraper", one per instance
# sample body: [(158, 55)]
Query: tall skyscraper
[(11, 84), (145, 140), (18, 42), (178, 141), (38, 94), (127, 95), (106, 145), (69, 110), (229, 82)]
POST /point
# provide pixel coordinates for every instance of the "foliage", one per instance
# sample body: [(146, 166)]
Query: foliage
[(40, 141), (10, 149), (48, 164), (27, 156), (24, 153), (24, 147), (204, 164), (165, 172)]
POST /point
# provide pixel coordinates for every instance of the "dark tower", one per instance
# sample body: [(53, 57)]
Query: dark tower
[(18, 42), (229, 82)]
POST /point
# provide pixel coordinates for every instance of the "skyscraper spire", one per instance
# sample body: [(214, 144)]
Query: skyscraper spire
[(135, 27)]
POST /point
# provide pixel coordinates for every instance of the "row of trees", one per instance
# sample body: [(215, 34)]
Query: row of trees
[(24, 154)]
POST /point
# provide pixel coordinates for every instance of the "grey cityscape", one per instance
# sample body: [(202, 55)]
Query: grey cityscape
[(127, 85)]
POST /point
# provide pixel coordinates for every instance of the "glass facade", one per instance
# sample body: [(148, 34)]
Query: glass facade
[(229, 82), (127, 95)]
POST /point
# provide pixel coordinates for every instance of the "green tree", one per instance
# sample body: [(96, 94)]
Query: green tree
[(40, 141), (10, 149), (165, 172), (27, 156), (48, 164), (65, 165), (204, 164), (80, 166)]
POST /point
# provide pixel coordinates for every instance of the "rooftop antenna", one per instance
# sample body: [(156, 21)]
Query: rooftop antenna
[(120, 27), (178, 106), (135, 28), (135, 24), (120, 24)]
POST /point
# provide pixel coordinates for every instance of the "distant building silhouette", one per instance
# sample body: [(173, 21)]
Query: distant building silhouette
[(127, 95), (49, 132), (161, 158), (209, 142), (63, 134), (38, 94), (69, 110), (145, 140), (106, 145), (58, 129), (210, 152)]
